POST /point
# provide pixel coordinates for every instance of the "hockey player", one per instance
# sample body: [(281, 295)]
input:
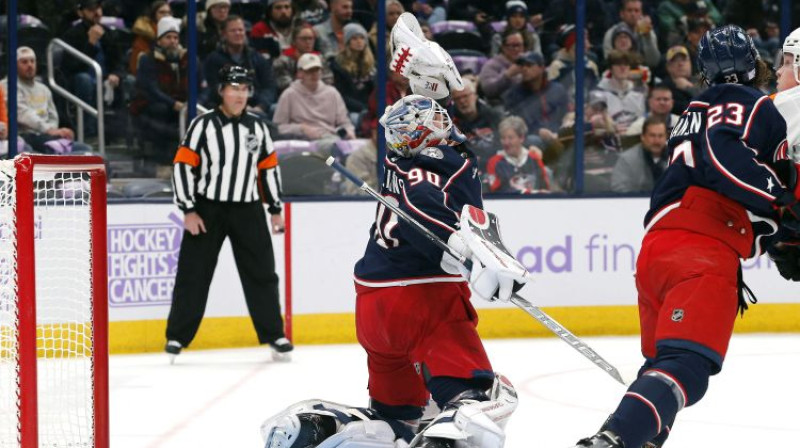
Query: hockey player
[(787, 100), (413, 314), (786, 252), (720, 200)]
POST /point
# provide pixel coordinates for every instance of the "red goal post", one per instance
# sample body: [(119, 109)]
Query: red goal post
[(53, 302)]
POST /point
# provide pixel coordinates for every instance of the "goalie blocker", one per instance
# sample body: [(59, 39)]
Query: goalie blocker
[(485, 261)]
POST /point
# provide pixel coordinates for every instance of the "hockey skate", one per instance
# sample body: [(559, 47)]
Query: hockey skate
[(474, 419), (324, 424), (173, 349), (603, 439), (281, 350)]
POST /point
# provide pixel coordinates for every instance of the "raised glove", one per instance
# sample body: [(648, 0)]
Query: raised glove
[(429, 68)]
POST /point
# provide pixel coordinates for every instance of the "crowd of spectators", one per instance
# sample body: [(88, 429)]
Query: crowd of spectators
[(315, 69)]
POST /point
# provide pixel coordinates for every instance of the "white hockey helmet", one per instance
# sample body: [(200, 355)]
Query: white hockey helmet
[(791, 46), (414, 123)]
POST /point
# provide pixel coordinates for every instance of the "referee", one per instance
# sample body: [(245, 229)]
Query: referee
[(223, 169)]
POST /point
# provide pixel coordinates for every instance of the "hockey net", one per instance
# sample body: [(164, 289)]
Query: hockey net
[(53, 305)]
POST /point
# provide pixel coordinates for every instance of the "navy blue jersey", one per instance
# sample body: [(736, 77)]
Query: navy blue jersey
[(504, 175), (727, 141), (432, 187)]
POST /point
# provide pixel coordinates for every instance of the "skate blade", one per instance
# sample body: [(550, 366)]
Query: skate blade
[(281, 357), (172, 358)]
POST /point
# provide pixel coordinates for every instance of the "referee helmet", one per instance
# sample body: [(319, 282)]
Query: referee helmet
[(235, 75)]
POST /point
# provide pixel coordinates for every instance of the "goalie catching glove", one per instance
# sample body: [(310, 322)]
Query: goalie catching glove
[(493, 273), (430, 70)]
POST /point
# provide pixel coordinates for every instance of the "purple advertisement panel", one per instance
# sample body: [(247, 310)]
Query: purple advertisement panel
[(142, 261)]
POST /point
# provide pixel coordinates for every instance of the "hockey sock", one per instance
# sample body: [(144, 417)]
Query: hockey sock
[(396, 412), (675, 379), (644, 410), (444, 389)]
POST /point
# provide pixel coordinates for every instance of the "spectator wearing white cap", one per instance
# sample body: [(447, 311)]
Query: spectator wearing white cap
[(37, 116), (145, 30), (354, 68), (161, 90), (209, 26), (330, 33), (234, 50), (310, 109)]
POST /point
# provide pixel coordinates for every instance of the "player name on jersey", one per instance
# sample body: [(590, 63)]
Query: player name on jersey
[(689, 123), (392, 182)]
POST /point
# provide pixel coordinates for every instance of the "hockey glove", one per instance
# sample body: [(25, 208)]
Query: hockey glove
[(789, 202), (787, 260), (495, 273), (429, 68), (453, 265)]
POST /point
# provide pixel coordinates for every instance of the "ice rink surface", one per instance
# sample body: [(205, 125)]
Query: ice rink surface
[(220, 398)]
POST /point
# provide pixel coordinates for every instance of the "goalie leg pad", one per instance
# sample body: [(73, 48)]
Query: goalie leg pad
[(364, 434), (471, 423), (324, 424)]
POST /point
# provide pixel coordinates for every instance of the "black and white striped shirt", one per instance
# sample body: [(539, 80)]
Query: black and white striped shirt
[(227, 160)]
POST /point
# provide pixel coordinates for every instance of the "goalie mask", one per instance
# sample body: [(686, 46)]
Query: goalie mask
[(414, 123), (429, 69)]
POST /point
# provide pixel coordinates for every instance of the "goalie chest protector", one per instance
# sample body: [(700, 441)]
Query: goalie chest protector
[(432, 187)]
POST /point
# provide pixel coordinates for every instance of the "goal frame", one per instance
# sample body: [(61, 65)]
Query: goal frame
[(25, 165)]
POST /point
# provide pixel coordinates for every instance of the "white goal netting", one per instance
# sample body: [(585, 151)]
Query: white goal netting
[(64, 331)]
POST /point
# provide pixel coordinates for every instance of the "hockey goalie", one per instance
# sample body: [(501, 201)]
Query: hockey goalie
[(414, 317)]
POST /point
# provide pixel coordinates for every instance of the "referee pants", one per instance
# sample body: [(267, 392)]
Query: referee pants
[(246, 226)]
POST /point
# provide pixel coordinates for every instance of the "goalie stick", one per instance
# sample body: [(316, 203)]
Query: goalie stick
[(559, 330)]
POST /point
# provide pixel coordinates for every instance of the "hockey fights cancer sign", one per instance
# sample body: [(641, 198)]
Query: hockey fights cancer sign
[(596, 257), (142, 261)]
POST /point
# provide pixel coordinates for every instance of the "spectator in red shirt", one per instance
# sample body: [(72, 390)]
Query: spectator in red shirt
[(277, 23)]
